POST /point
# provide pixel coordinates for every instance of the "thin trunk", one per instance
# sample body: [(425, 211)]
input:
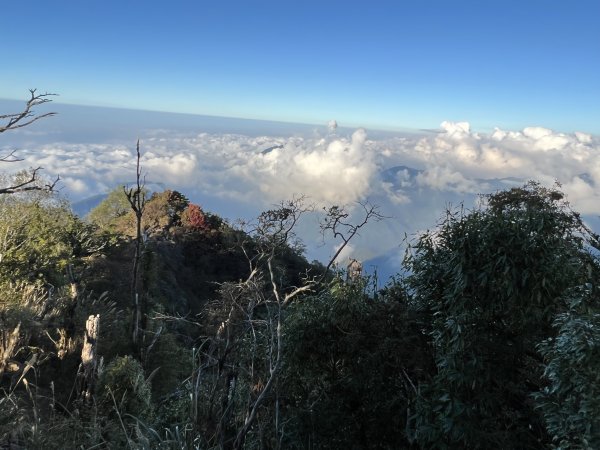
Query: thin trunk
[(137, 203)]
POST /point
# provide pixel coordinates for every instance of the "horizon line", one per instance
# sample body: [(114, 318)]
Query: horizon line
[(399, 129)]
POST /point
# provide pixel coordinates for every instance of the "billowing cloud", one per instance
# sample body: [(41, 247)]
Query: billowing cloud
[(172, 169), (74, 184), (328, 171), (463, 157), (445, 179)]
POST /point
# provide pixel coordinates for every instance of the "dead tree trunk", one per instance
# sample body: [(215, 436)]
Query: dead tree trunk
[(89, 357), (74, 284), (137, 201)]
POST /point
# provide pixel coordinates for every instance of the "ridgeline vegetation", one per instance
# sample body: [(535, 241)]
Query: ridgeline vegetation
[(153, 324)]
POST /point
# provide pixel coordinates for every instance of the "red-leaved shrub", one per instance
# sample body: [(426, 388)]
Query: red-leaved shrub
[(194, 218)]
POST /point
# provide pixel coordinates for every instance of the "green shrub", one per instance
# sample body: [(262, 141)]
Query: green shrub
[(123, 385)]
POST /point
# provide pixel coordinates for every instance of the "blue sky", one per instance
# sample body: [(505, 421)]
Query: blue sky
[(376, 64)]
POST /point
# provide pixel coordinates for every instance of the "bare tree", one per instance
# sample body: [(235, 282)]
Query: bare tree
[(21, 119), (236, 392), (274, 231), (239, 361), (137, 200)]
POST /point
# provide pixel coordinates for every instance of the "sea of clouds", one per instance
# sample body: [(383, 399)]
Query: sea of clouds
[(411, 176)]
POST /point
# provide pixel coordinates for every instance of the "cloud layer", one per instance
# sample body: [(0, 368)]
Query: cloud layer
[(411, 176)]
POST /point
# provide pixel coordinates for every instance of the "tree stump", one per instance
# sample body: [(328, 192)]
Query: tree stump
[(89, 360)]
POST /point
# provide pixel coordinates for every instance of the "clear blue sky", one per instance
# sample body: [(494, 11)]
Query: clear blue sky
[(377, 64)]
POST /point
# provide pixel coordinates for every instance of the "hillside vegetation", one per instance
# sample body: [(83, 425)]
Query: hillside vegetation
[(152, 324)]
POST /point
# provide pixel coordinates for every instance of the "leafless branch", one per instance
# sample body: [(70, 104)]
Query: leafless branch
[(27, 116), (249, 317), (19, 120), (30, 184), (11, 157), (274, 362), (275, 227), (306, 288), (338, 222)]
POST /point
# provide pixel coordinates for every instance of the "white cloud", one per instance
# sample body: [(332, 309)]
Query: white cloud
[(337, 170), (536, 133), (330, 168), (174, 169), (75, 184), (456, 129), (534, 152), (344, 257), (396, 196), (446, 179), (584, 138)]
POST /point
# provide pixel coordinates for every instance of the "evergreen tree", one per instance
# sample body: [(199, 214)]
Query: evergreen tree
[(493, 280)]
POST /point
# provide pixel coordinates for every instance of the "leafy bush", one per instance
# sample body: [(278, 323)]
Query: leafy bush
[(40, 237), (112, 208), (193, 217), (493, 280), (122, 385), (570, 403), (353, 366)]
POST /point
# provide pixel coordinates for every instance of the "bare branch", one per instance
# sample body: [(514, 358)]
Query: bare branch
[(19, 120), (11, 157), (337, 221), (30, 184), (27, 116), (275, 227), (274, 366), (306, 288)]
